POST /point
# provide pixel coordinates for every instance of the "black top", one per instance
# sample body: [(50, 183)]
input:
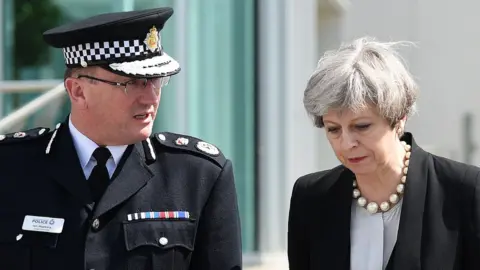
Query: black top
[(439, 223)]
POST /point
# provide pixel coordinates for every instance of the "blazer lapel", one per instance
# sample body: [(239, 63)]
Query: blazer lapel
[(63, 165), (409, 239), (331, 237), (130, 176)]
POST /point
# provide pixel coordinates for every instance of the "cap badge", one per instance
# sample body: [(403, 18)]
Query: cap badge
[(153, 39)]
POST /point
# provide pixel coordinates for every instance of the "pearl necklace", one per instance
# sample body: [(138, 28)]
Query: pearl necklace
[(373, 207)]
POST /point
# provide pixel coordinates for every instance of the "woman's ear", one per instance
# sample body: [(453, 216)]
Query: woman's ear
[(400, 126)]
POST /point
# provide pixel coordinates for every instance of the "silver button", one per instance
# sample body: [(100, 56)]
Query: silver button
[(96, 224), (163, 241), (19, 237)]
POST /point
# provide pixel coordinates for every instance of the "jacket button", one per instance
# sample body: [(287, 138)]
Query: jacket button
[(96, 224), (163, 241)]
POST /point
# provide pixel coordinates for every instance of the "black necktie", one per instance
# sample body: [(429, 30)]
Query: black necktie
[(99, 178)]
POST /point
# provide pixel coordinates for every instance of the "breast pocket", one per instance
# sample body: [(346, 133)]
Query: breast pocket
[(13, 253), (24, 250), (159, 244)]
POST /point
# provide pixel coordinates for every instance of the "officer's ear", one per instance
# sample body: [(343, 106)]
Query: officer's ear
[(75, 87)]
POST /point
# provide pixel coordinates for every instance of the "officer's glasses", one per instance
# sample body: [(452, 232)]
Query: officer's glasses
[(134, 86)]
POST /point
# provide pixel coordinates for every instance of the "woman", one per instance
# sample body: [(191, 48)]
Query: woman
[(390, 204)]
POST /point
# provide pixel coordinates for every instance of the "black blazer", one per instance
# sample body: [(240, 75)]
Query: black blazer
[(154, 176), (439, 224)]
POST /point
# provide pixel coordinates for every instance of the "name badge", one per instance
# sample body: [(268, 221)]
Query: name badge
[(43, 224)]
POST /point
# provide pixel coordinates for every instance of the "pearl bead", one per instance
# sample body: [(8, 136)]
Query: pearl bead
[(400, 188), (356, 193), (393, 198), (384, 206), (362, 201), (372, 207)]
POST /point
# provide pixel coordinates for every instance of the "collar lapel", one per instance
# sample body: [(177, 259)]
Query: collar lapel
[(409, 239), (130, 176), (64, 166), (331, 237)]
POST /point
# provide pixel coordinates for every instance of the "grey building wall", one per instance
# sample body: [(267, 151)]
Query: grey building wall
[(289, 144)]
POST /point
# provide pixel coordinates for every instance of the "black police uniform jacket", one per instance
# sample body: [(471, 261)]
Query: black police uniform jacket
[(439, 224), (40, 175)]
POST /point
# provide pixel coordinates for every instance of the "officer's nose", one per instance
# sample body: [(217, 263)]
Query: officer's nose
[(150, 94)]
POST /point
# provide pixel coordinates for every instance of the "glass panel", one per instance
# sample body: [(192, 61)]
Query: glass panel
[(219, 103)]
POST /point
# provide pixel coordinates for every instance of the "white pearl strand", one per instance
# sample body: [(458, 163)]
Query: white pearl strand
[(372, 207)]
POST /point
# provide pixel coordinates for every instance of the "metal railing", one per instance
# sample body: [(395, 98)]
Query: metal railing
[(53, 90), (28, 86)]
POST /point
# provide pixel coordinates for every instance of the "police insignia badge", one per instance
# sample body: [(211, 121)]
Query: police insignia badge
[(153, 39), (207, 148)]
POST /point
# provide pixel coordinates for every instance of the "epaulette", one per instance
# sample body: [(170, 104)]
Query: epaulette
[(26, 135), (192, 145)]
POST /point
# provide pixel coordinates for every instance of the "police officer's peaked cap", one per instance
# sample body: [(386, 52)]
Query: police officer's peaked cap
[(126, 43)]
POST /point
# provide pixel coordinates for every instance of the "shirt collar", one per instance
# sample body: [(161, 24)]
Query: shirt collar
[(85, 146)]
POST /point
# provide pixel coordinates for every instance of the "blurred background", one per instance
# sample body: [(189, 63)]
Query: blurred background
[(244, 67)]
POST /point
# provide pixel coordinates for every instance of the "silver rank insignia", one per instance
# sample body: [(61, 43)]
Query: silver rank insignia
[(19, 135), (207, 148), (181, 141)]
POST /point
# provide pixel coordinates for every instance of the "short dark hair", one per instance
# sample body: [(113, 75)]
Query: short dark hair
[(70, 72)]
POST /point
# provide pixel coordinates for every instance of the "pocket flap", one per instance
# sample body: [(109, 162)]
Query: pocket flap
[(11, 232), (162, 234)]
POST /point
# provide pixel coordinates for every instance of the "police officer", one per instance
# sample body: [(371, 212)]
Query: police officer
[(100, 191)]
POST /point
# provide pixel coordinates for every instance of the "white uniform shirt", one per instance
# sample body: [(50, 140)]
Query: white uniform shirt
[(85, 148)]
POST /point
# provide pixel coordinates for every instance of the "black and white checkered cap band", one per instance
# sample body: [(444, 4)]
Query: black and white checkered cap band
[(101, 51)]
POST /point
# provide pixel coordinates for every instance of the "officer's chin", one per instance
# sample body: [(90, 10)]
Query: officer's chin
[(144, 133)]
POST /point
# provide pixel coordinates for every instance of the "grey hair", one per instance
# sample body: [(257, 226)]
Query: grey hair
[(362, 73)]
